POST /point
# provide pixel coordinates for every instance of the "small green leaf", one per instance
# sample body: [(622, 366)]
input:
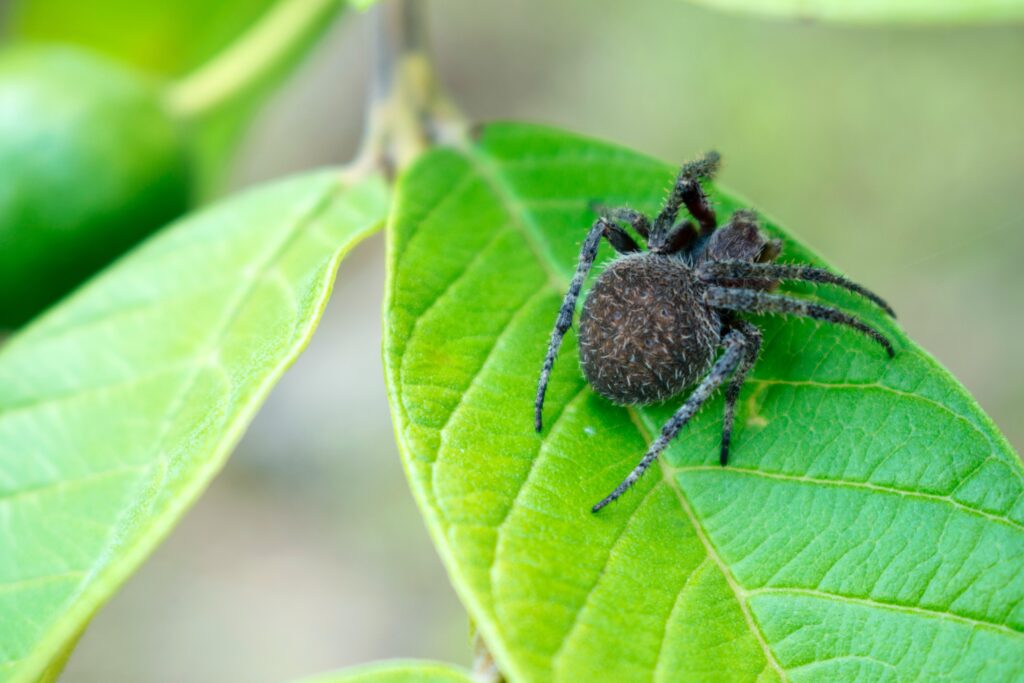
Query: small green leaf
[(220, 61), (881, 11), (398, 671), (219, 98), (119, 406), (869, 526), (166, 37)]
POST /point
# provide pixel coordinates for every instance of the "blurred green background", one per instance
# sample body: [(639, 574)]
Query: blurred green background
[(897, 153)]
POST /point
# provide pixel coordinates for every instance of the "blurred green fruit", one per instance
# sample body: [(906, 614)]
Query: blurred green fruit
[(90, 163)]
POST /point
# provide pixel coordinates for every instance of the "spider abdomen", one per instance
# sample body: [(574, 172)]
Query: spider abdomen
[(656, 318), (645, 332)]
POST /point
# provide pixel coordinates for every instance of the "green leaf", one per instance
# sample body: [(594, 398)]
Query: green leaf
[(166, 37), (398, 671), (219, 98), (224, 58), (85, 130), (868, 526), (119, 406), (881, 11)]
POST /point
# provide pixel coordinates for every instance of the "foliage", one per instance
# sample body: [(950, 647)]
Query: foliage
[(165, 37), (869, 505), (868, 526), (219, 99), (90, 163), (149, 144), (120, 405), (881, 11), (219, 62)]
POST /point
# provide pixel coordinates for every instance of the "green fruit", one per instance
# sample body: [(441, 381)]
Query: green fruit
[(90, 163)]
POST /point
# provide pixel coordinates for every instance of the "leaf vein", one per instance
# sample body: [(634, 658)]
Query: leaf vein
[(738, 591), (845, 483), (868, 602)]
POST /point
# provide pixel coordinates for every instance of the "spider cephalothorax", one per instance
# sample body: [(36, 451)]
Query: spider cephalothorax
[(655, 318)]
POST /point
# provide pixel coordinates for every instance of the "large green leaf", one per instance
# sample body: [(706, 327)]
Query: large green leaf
[(398, 671), (118, 406), (868, 526), (881, 11)]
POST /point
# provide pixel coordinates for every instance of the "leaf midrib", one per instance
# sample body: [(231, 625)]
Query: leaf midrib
[(57, 632), (232, 311), (639, 419), (521, 217), (530, 229), (558, 280), (515, 200)]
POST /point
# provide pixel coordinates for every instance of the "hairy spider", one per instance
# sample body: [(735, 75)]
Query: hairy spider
[(654, 320)]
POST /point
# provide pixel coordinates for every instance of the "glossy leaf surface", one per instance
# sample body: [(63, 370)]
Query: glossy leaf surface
[(120, 405), (868, 526)]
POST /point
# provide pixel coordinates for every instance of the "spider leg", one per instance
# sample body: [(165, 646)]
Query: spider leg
[(732, 392), (620, 239), (715, 271), (631, 216), (735, 350), (681, 239), (687, 191), (617, 236), (754, 301)]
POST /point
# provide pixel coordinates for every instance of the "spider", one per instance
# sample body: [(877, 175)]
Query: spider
[(656, 318)]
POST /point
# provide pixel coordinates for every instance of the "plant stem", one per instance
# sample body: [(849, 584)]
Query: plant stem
[(485, 670), (244, 65), (407, 112)]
